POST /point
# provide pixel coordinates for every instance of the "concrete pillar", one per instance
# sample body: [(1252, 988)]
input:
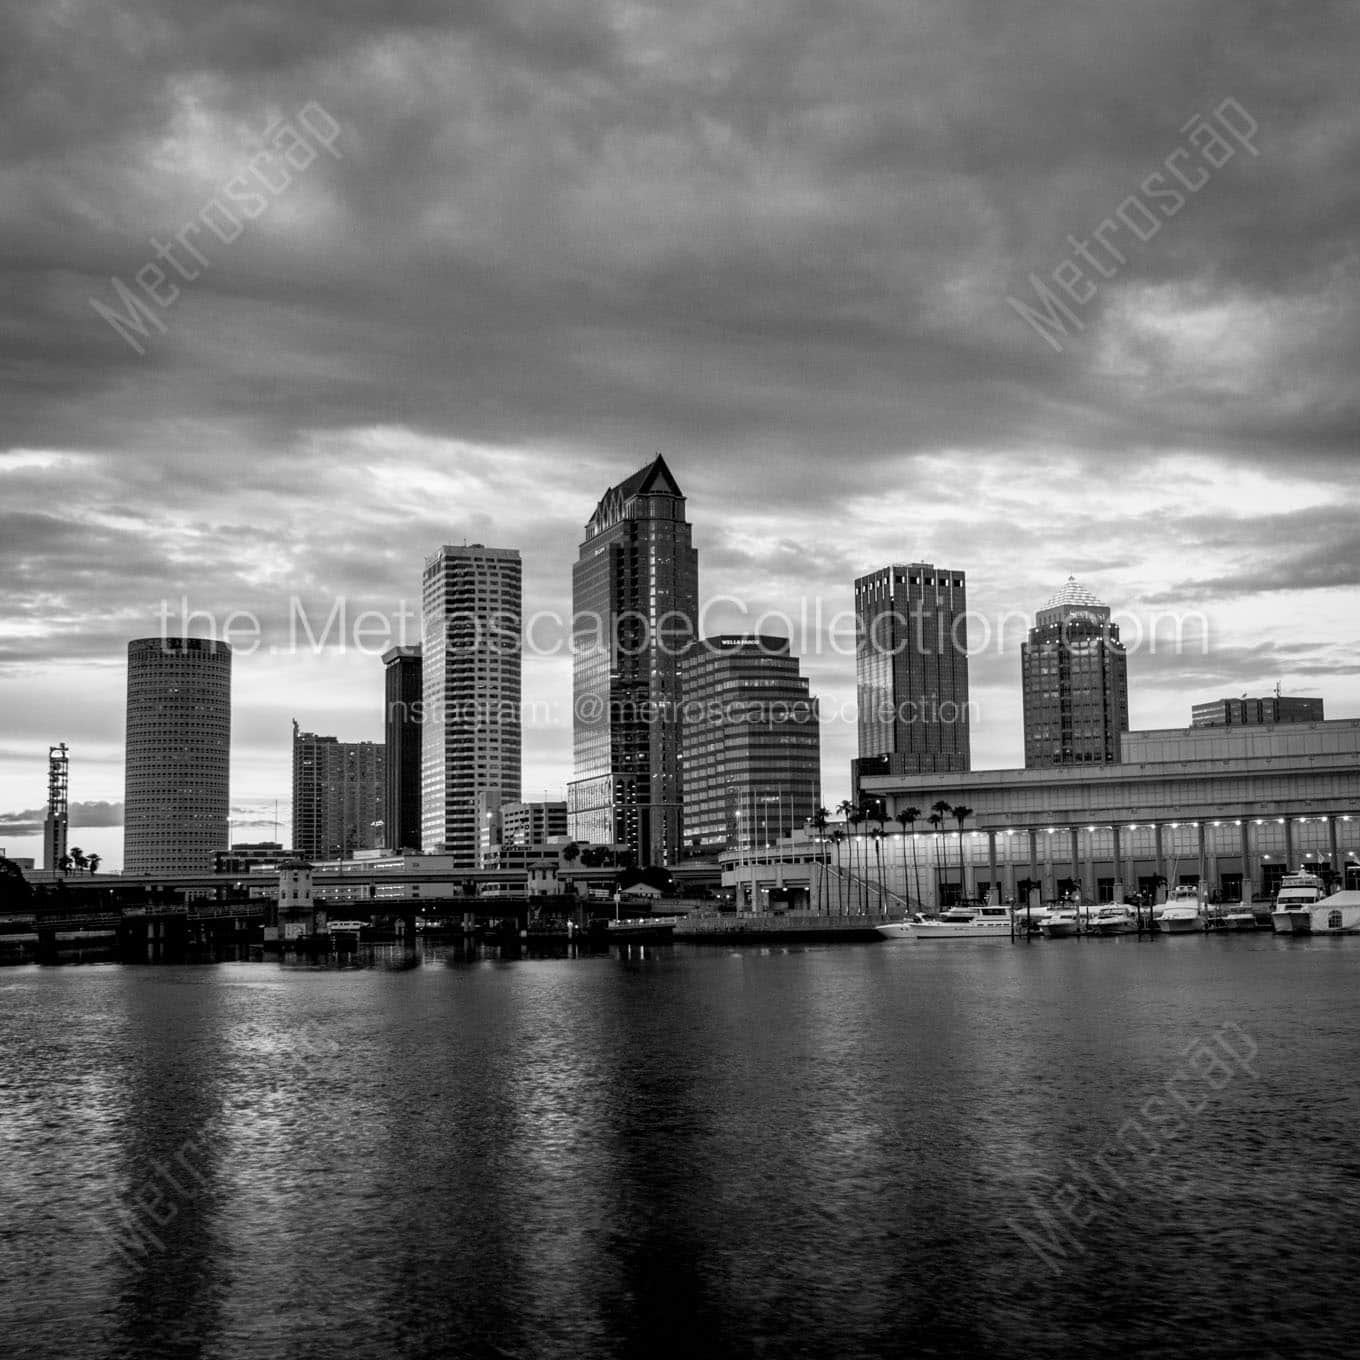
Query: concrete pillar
[(1034, 862), (1075, 835), (994, 891), (1337, 866), (1119, 891), (1248, 883), (1289, 865), (1159, 862), (1203, 864), (1050, 884), (1092, 884)]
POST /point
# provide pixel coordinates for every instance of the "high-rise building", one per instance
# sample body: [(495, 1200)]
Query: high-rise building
[(471, 681), (339, 795), (178, 764), (1274, 708), (1076, 682), (911, 660), (401, 733), (635, 589), (752, 744)]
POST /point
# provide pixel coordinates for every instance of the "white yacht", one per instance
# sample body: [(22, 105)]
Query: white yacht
[(1183, 911), (1062, 922), (1298, 894), (1113, 918), (958, 923), (897, 930), (1240, 917)]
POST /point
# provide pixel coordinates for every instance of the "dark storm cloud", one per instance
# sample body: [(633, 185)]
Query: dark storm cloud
[(775, 242), (644, 224), (30, 821), (1317, 548)]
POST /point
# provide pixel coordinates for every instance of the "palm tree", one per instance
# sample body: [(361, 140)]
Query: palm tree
[(837, 836), (855, 818), (941, 810), (907, 818), (93, 863), (960, 814), (78, 857), (878, 855), (874, 812), (846, 808), (819, 820)]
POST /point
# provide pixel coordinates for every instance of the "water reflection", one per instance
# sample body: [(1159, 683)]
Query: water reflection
[(796, 1151)]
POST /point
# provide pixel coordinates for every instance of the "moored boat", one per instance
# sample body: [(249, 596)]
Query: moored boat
[(655, 928), (1061, 923), (962, 923), (1183, 911), (1113, 918), (896, 930), (1294, 903)]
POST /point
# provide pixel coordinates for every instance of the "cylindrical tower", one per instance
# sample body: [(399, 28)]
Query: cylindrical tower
[(178, 755)]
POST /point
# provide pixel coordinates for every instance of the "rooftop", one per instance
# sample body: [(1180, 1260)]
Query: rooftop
[(1073, 595)]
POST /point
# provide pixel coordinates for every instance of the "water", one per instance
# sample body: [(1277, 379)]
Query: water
[(828, 1151)]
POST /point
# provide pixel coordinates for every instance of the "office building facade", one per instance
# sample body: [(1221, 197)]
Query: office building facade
[(635, 590), (178, 755), (1076, 682), (532, 823), (339, 796), (911, 662), (401, 735), (471, 655), (510, 830), (752, 744), (1244, 712)]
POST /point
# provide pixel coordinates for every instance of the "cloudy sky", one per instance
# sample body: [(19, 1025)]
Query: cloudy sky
[(297, 292)]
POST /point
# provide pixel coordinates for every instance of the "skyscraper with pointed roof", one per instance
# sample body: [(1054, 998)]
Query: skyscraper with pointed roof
[(1076, 682), (635, 590)]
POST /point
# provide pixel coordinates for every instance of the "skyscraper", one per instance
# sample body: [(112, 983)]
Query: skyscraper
[(1076, 682), (339, 795), (635, 589), (471, 683), (752, 743), (178, 764), (911, 661), (401, 732)]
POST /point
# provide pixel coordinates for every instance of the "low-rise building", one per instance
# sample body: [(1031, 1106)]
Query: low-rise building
[(1230, 808)]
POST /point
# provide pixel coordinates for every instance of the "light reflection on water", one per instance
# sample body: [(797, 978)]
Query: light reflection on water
[(816, 1151)]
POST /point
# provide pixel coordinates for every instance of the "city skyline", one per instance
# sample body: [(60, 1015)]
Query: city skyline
[(459, 314), (833, 658)]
